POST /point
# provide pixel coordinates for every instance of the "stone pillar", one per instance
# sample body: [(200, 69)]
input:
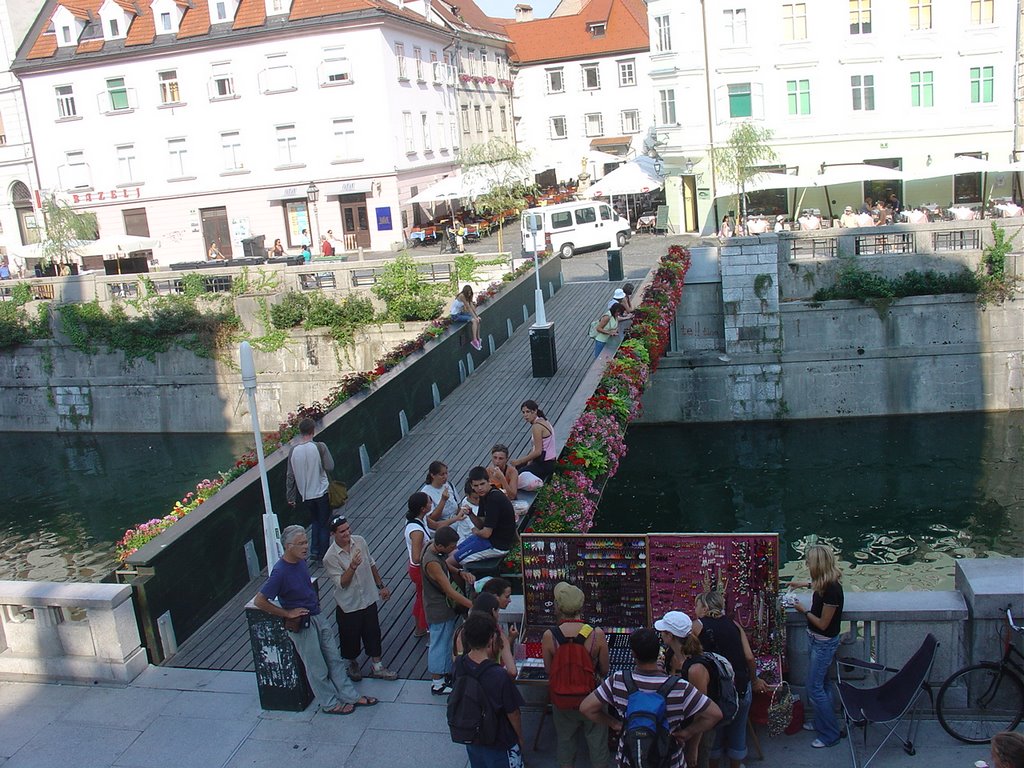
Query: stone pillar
[(750, 295), (989, 586)]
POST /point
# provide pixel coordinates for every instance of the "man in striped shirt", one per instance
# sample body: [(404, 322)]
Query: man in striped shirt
[(684, 701)]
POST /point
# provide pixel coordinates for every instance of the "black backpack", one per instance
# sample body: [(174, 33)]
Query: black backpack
[(472, 718), (646, 739)]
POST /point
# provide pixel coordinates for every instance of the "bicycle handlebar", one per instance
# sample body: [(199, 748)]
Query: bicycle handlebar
[(1009, 618)]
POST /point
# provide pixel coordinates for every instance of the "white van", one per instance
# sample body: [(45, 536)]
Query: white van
[(568, 228)]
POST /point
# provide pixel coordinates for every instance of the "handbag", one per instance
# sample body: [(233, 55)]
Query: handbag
[(297, 623), (337, 493), (780, 711)]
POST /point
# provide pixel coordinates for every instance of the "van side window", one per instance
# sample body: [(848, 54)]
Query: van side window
[(585, 216), (562, 219), (606, 213)]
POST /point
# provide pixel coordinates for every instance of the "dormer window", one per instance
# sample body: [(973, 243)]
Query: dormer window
[(277, 7), (167, 16), (65, 33), (112, 24), (114, 32), (68, 26), (597, 29), (222, 11), (165, 22)]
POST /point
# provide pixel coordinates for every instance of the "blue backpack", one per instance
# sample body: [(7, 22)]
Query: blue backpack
[(646, 737)]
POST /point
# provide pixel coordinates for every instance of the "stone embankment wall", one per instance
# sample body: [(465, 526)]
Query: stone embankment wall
[(751, 345), (49, 386)]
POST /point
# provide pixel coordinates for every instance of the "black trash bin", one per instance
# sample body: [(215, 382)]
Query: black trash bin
[(614, 265), (280, 674), (252, 248), (542, 351)]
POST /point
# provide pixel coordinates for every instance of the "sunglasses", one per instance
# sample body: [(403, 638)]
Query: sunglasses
[(337, 522)]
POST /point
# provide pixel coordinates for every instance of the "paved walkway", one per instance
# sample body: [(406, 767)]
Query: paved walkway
[(182, 718)]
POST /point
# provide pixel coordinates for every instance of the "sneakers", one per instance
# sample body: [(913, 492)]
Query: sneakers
[(477, 345), (808, 725), (354, 673), (819, 744), (441, 688), (383, 673)]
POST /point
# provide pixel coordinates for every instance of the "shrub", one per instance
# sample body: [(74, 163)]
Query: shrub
[(290, 312), (859, 284), (406, 295)]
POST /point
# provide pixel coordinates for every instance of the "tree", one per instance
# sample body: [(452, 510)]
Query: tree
[(736, 161), (502, 173), (65, 229)]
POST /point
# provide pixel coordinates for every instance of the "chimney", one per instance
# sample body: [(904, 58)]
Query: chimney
[(524, 12)]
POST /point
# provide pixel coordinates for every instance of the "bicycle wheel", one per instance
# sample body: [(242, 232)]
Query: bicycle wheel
[(979, 701)]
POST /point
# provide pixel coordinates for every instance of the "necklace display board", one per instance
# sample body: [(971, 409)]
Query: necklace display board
[(611, 571), (745, 569)]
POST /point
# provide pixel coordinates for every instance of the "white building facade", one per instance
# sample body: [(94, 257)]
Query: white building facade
[(209, 133), (586, 89), (903, 83)]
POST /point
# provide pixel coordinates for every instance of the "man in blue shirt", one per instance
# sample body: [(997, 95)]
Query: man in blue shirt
[(291, 586)]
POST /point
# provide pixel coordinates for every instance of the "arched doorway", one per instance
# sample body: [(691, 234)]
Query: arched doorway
[(28, 225)]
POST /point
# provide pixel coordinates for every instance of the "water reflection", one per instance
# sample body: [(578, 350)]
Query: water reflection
[(67, 498), (894, 491)]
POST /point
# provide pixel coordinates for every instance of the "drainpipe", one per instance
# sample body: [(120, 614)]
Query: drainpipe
[(707, 92)]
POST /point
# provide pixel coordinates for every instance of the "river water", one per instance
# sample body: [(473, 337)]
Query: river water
[(899, 497), (66, 499)]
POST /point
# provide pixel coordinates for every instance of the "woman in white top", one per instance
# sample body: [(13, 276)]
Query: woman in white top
[(442, 494), (417, 536), (463, 311)]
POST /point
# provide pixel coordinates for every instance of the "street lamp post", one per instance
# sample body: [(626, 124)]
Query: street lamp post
[(543, 359), (271, 527), (538, 293), (313, 196)]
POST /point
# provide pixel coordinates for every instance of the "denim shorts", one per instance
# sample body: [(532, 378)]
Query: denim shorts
[(462, 317), (439, 655)]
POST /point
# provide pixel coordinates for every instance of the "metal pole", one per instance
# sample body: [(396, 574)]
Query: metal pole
[(271, 526), (538, 295)]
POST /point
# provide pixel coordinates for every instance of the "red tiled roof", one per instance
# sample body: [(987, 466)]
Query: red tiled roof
[(196, 21), (309, 9), (127, 5), (90, 46), (80, 10), (469, 16), (44, 47), (532, 40), (251, 13), (143, 29)]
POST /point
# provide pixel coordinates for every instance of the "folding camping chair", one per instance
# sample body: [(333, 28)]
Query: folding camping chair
[(887, 704)]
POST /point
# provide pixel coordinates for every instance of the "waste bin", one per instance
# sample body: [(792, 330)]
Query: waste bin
[(542, 351), (614, 265), (252, 248), (280, 674)]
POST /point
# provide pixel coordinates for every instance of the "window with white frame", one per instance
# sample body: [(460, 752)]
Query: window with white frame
[(400, 57), (798, 93), (66, 32), (465, 118), (862, 88), (335, 69), (627, 72), (222, 84), (741, 100), (922, 85), (503, 115), (478, 120), (557, 127), (417, 55), (428, 145), (278, 77), (982, 11), (556, 80), (114, 28), (920, 14), (177, 156), (410, 135), (663, 34), (287, 144), (344, 130), (221, 9), (489, 114), (441, 132), (65, 95), (591, 74), (231, 150), (75, 173), (117, 95), (735, 20), (453, 133), (597, 28), (860, 17), (165, 22), (126, 164), (794, 21), (170, 92), (630, 120), (982, 80), (667, 106)]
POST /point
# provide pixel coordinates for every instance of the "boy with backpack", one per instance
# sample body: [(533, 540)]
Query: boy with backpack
[(575, 658), (483, 708), (651, 706)]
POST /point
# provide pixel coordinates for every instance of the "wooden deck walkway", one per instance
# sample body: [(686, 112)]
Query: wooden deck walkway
[(460, 432)]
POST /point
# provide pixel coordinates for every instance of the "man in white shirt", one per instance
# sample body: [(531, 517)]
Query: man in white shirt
[(357, 587), (308, 465), (849, 218)]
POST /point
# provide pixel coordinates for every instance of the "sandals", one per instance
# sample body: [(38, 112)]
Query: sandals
[(348, 709)]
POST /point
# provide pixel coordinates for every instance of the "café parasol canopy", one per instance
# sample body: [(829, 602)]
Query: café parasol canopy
[(638, 175)]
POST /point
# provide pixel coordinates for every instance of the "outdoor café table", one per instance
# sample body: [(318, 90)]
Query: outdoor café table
[(962, 214), (646, 222)]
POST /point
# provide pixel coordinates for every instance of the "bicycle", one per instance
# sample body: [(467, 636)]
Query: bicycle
[(994, 695)]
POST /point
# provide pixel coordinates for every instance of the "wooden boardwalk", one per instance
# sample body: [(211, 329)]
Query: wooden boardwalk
[(460, 432)]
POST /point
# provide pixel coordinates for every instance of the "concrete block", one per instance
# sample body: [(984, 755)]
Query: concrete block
[(989, 585), (210, 742), (78, 745)]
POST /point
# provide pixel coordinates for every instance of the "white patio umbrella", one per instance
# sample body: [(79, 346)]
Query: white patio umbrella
[(115, 244), (450, 188), (958, 165), (638, 175), (850, 174)]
